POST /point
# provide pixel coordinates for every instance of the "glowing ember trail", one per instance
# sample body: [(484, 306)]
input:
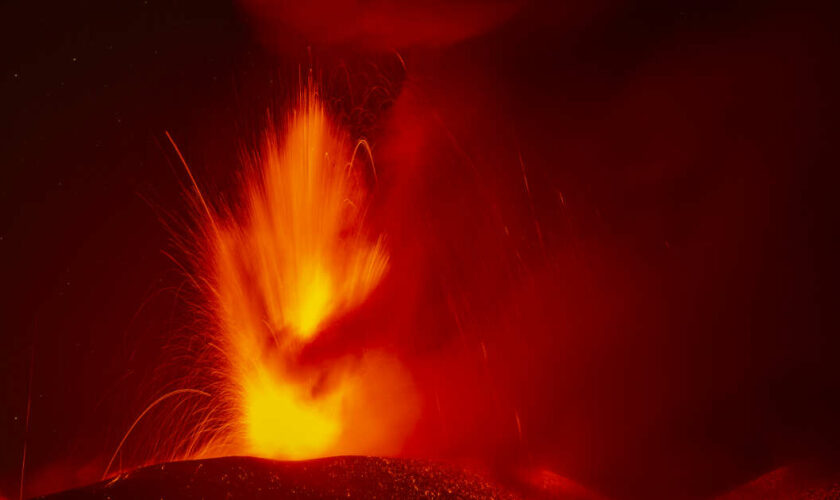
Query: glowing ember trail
[(293, 258)]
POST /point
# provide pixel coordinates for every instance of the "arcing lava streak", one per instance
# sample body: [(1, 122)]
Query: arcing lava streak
[(292, 257)]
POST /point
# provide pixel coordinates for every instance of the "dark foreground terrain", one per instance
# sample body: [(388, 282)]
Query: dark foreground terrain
[(391, 478), (246, 478)]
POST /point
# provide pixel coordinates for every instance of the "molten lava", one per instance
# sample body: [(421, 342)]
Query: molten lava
[(292, 258)]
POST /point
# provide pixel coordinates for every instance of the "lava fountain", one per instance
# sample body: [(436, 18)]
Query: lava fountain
[(280, 267)]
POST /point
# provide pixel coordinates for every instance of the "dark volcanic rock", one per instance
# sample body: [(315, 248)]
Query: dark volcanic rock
[(804, 481), (246, 477)]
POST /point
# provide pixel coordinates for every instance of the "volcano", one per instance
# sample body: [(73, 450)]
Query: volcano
[(250, 248)]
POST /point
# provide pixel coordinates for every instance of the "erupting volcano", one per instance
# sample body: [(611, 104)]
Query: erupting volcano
[(289, 258), (410, 249)]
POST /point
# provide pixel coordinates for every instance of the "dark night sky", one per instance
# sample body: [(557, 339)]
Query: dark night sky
[(670, 329)]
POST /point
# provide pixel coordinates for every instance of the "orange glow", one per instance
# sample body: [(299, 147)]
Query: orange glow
[(293, 259), (283, 422), (301, 256)]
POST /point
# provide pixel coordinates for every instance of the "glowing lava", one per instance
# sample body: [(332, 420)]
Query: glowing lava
[(290, 260)]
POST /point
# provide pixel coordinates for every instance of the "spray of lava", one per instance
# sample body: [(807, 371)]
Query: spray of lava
[(291, 259)]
